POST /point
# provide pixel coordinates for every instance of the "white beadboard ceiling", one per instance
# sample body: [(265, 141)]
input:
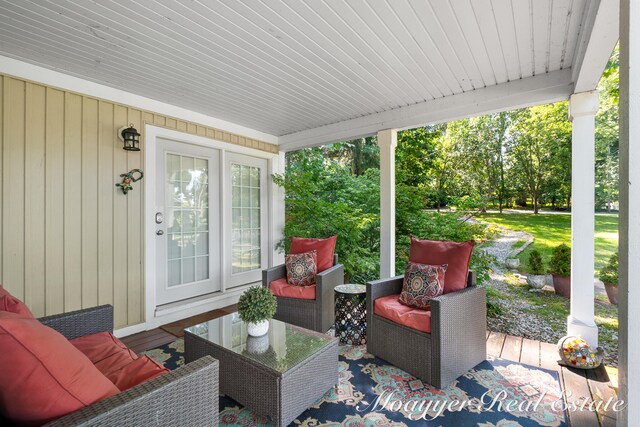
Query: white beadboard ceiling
[(286, 66)]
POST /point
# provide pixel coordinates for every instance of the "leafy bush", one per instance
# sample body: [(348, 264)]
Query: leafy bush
[(257, 304), (560, 263), (609, 273), (535, 262)]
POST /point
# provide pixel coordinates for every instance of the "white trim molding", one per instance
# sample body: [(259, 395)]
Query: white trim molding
[(35, 73)]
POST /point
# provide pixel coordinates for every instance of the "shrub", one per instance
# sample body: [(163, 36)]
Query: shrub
[(609, 273), (257, 304), (535, 262), (560, 263)]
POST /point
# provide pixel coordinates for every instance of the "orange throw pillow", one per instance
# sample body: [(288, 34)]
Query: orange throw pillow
[(456, 255), (43, 376), (12, 304), (324, 248)]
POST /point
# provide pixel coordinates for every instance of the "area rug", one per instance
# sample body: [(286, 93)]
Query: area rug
[(496, 393)]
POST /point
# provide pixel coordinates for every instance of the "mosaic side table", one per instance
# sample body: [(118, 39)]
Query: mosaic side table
[(351, 314)]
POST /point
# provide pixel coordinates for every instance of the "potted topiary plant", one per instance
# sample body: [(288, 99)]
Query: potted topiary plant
[(609, 276), (537, 279), (560, 267), (255, 307)]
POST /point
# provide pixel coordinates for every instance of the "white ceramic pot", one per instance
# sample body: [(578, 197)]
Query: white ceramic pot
[(258, 329)]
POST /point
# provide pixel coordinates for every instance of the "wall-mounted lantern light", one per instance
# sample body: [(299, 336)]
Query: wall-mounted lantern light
[(130, 137)]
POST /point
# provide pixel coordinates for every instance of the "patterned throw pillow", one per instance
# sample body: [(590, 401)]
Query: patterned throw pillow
[(302, 268), (422, 283)]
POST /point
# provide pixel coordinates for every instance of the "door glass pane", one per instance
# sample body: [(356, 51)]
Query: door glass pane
[(245, 218), (187, 190)]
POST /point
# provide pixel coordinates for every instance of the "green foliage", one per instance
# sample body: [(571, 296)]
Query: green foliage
[(560, 263), (609, 273), (256, 304), (536, 266)]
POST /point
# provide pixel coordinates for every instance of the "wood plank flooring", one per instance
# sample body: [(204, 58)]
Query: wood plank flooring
[(579, 385), (593, 385)]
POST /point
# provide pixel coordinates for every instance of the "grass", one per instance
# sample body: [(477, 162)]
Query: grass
[(550, 230)]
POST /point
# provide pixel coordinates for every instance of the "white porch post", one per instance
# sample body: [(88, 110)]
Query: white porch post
[(582, 110), (276, 229), (629, 278), (387, 140)]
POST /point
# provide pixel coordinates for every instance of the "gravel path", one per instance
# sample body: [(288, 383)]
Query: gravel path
[(519, 316)]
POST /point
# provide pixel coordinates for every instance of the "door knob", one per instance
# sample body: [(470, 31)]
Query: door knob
[(159, 232)]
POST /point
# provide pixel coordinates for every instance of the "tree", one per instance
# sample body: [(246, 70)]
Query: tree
[(540, 150)]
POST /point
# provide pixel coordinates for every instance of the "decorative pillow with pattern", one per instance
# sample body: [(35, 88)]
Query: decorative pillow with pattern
[(302, 268), (422, 282)]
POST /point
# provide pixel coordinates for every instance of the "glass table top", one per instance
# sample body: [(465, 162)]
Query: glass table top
[(281, 349)]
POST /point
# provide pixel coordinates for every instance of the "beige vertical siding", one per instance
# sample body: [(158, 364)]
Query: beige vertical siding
[(69, 239)]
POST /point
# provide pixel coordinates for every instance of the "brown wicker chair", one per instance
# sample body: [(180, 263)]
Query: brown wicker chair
[(317, 315), (185, 396), (457, 341)]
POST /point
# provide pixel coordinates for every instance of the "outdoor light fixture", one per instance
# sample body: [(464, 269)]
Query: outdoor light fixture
[(130, 137)]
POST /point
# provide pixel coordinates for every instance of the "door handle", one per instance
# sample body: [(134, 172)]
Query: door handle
[(159, 232)]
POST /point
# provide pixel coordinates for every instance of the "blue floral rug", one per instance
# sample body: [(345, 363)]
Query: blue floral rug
[(496, 393)]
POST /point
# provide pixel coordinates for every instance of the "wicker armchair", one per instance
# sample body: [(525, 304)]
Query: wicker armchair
[(186, 396), (317, 315), (457, 341)]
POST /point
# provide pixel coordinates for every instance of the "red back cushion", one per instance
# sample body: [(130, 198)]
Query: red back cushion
[(324, 248), (43, 376), (12, 304), (456, 255)]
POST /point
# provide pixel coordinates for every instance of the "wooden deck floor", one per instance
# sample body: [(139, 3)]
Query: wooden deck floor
[(579, 385), (593, 385)]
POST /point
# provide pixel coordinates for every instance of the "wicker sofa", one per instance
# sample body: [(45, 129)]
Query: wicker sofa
[(457, 341), (317, 315), (186, 396)]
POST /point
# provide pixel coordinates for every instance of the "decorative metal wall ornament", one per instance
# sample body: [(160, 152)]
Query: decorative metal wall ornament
[(129, 178)]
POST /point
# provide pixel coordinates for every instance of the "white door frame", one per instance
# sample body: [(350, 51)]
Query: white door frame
[(275, 164)]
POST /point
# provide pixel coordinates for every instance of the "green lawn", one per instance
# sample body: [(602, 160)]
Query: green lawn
[(549, 230)]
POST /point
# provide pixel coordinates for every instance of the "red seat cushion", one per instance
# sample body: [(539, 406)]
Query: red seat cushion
[(43, 376), (456, 255), (136, 372), (12, 304), (391, 308), (281, 288), (105, 351), (325, 249)]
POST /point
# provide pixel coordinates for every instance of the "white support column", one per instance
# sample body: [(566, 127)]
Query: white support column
[(276, 223), (629, 278), (387, 140), (582, 111)]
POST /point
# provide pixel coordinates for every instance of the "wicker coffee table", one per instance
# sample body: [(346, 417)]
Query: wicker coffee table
[(280, 374)]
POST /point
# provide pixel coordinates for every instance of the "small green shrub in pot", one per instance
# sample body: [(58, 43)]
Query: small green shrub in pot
[(257, 304), (535, 262), (560, 263), (560, 266), (609, 276), (609, 273)]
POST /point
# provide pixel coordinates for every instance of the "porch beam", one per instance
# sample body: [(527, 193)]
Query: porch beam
[(629, 246), (387, 140), (595, 46), (582, 112), (540, 89)]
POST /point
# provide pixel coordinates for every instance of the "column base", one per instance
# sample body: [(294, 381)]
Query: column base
[(588, 331)]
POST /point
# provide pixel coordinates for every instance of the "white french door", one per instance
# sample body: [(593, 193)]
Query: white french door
[(247, 219), (187, 220)]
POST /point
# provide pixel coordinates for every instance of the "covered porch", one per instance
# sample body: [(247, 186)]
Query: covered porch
[(259, 80)]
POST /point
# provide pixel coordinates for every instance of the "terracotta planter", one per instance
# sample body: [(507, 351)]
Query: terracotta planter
[(612, 293), (562, 285)]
